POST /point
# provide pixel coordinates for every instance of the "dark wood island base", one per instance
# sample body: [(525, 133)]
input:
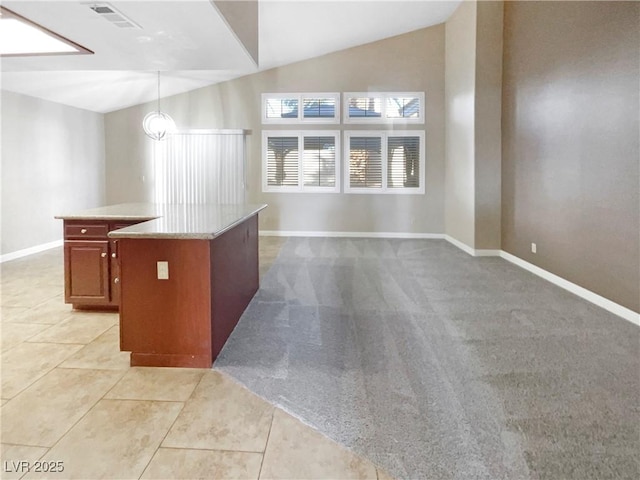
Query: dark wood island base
[(180, 274), (185, 320)]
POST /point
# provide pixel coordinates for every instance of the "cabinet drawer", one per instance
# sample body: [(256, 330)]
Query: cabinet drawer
[(82, 231)]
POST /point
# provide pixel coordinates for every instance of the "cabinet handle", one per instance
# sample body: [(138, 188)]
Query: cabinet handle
[(103, 254), (84, 230), (116, 280), (113, 255)]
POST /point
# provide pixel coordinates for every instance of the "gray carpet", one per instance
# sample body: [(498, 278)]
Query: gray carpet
[(438, 365)]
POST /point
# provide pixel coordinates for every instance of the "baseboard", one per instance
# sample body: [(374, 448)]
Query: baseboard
[(283, 233), (472, 251), (462, 246), (582, 292), (30, 251)]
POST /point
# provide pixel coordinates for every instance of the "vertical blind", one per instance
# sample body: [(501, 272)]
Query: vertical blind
[(200, 167)]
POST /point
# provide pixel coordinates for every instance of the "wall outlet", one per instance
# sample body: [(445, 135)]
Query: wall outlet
[(163, 270), (534, 248)]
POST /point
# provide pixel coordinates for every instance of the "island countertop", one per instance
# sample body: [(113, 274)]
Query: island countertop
[(170, 221)]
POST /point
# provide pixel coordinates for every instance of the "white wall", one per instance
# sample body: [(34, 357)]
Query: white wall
[(52, 162)]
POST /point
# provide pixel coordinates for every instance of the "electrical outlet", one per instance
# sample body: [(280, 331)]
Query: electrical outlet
[(163, 270), (534, 248)]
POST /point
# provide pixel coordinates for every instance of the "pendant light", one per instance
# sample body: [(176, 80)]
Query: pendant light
[(157, 124)]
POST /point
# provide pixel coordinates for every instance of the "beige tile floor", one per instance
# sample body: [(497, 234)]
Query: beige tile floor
[(69, 399)]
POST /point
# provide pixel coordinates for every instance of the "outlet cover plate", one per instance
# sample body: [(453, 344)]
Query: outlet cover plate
[(163, 270)]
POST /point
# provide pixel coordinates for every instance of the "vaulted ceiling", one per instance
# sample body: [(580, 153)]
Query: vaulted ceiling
[(194, 43)]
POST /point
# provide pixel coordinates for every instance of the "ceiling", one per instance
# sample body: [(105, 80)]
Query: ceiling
[(191, 43)]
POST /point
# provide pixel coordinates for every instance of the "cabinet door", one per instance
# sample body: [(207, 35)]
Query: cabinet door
[(87, 272)]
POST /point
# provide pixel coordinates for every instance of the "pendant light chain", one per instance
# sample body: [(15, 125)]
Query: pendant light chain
[(158, 90)]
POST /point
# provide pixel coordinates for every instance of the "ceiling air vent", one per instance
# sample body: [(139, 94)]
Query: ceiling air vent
[(112, 15)]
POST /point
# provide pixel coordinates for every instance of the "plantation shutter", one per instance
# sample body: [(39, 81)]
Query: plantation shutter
[(282, 161), (319, 108), (403, 168), (365, 162), (281, 108), (367, 107), (319, 161), (403, 107)]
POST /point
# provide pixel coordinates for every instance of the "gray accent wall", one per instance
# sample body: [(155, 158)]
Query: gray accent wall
[(53, 162), (409, 62), (570, 177), (488, 134)]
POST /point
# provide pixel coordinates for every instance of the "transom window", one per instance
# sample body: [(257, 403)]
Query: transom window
[(300, 108), (279, 108), (302, 161), (381, 107), (384, 162)]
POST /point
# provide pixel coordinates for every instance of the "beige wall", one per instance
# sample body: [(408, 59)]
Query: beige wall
[(460, 90), (473, 73), (410, 62), (571, 142), (52, 163)]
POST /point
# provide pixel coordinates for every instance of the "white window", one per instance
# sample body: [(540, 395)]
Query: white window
[(383, 107), (384, 162), (300, 161), (300, 108), (280, 107)]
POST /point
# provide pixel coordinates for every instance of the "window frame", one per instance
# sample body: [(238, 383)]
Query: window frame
[(384, 135), (301, 187), (383, 119), (300, 119)]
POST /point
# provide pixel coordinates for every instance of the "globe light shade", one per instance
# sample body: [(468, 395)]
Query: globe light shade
[(157, 124)]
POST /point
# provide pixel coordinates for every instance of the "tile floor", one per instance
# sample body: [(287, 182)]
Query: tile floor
[(70, 400)]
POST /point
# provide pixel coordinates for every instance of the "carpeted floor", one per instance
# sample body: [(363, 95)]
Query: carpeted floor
[(438, 365)]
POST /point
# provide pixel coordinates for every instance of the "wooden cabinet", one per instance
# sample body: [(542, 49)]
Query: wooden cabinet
[(87, 272), (185, 319), (91, 263)]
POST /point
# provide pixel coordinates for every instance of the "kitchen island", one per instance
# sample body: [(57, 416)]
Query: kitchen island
[(185, 275)]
